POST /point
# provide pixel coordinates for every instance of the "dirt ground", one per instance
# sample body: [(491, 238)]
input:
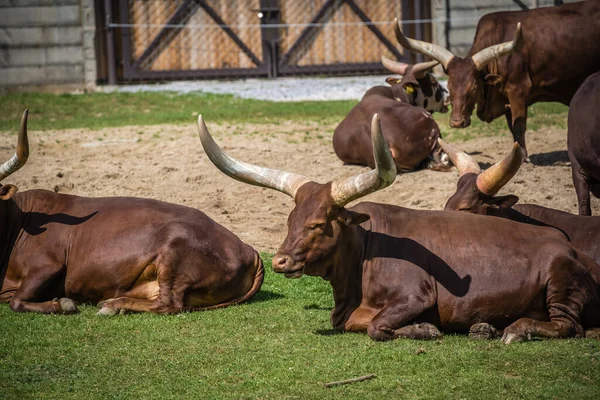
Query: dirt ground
[(168, 163)]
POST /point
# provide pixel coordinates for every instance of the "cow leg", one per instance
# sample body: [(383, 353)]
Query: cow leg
[(519, 125), (582, 187), (566, 295), (483, 331), (121, 305), (35, 282), (389, 323)]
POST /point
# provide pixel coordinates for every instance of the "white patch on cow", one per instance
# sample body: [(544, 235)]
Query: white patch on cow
[(427, 114), (444, 159), (398, 99)]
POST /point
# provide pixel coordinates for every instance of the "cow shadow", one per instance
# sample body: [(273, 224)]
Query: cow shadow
[(36, 221), (386, 246), (552, 159), (264, 296)]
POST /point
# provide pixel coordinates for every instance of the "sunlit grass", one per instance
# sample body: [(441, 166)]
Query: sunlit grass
[(280, 345)]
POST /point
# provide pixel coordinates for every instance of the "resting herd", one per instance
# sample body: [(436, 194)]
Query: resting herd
[(482, 264)]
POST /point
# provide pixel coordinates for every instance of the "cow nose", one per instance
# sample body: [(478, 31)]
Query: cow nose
[(459, 122), (280, 262)]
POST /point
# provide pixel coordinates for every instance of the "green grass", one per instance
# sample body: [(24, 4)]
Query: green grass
[(538, 116), (278, 346), (100, 110)]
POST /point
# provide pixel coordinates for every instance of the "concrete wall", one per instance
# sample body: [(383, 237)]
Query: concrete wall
[(464, 15), (47, 43)]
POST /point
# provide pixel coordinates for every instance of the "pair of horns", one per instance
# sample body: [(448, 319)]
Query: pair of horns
[(343, 191), (400, 68), (480, 59), (492, 179), (22, 153)]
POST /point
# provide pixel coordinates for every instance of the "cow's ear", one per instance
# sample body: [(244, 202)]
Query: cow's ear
[(7, 191), (348, 218), (409, 81), (493, 79), (392, 81), (502, 201)]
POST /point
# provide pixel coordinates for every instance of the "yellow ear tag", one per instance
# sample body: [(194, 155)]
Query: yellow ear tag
[(409, 89)]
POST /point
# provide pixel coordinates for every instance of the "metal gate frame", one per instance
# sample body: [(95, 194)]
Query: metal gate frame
[(272, 64)]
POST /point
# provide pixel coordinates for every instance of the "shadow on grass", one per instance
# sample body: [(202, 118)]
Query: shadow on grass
[(327, 332), (265, 295), (553, 158), (316, 307)]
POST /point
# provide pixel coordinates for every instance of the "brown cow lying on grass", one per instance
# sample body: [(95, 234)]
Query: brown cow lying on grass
[(128, 254), (409, 129), (398, 272), (476, 193)]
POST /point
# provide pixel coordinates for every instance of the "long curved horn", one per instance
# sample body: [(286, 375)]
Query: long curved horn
[(483, 57), (344, 191), (21, 154), (285, 182), (429, 49), (401, 68), (495, 177), (461, 160)]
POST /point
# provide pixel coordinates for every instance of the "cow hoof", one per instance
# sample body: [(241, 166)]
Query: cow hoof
[(67, 306), (482, 331), (593, 334), (430, 331), (107, 311), (509, 338)]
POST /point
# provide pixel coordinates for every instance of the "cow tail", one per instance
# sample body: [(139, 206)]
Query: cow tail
[(259, 276)]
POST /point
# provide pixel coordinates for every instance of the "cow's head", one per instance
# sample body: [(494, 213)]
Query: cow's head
[(419, 84), (465, 77), (16, 161), (476, 190), (319, 223)]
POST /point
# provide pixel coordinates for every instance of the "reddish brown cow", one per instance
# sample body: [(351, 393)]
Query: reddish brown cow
[(410, 131), (560, 47), (476, 193), (397, 272), (583, 142), (126, 253)]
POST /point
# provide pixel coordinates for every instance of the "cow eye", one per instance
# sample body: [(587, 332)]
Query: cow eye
[(316, 225)]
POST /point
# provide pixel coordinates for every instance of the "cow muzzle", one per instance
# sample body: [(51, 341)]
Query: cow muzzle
[(460, 122), (283, 264)]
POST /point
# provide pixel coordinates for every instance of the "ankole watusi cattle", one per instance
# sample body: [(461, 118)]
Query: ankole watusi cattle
[(476, 193), (129, 254), (555, 49), (409, 130), (583, 141), (398, 272)]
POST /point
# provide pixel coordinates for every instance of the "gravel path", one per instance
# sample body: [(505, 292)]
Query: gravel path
[(281, 89)]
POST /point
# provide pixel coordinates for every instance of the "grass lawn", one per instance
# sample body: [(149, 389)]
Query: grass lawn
[(100, 110), (278, 346)]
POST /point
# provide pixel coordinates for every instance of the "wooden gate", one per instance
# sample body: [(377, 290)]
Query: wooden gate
[(195, 39)]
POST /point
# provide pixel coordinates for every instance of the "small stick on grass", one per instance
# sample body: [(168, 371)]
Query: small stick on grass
[(353, 380)]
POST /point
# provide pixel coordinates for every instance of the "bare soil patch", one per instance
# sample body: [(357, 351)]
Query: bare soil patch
[(167, 163)]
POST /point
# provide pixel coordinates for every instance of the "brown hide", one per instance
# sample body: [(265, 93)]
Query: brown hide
[(583, 141), (560, 48), (449, 269), (139, 254), (391, 267), (582, 232), (410, 132)]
